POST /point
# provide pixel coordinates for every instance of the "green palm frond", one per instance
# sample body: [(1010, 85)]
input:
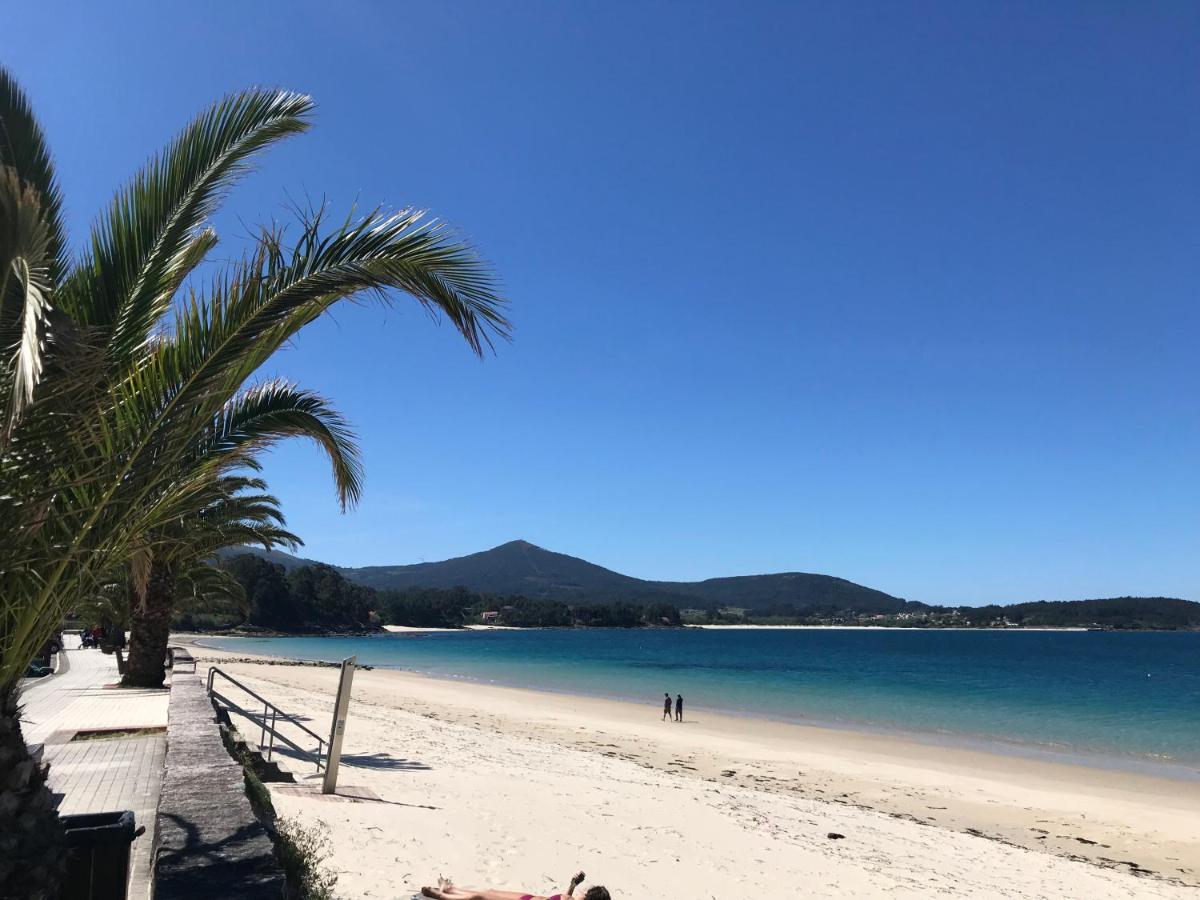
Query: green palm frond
[(24, 292), (108, 603), (23, 148), (220, 341), (191, 520), (190, 257), (260, 416), (241, 533), (252, 311), (204, 578), (408, 251), (207, 515), (206, 585), (126, 282), (137, 448)]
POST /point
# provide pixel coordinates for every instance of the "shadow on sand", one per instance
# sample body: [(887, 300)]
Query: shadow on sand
[(381, 761)]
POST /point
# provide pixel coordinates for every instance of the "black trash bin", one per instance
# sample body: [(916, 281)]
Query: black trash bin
[(98, 862)]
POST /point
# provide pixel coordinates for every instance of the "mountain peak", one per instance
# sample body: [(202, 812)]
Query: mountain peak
[(522, 568), (518, 544)]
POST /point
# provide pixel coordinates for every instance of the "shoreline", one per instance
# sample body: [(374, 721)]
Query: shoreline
[(1116, 820), (1086, 758), (432, 629), (891, 628)]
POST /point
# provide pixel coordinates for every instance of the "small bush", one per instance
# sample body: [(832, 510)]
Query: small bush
[(301, 850), (259, 796)]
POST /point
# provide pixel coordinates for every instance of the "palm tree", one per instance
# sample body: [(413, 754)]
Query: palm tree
[(174, 561), (201, 587), (126, 384), (250, 421)]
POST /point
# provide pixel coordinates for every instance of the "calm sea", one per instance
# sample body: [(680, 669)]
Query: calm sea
[(1132, 699)]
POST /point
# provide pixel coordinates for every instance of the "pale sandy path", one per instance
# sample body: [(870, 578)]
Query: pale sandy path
[(526, 787)]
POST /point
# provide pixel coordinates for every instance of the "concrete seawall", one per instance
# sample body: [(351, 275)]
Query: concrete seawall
[(210, 843)]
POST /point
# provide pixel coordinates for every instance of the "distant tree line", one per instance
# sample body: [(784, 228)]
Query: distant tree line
[(455, 607), (318, 598), (426, 607), (314, 598), (1116, 612), (1124, 613)]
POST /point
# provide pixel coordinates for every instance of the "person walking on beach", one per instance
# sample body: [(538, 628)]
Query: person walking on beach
[(666, 707), (679, 707)]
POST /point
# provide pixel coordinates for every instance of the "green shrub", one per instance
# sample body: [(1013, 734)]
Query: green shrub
[(259, 796), (302, 849)]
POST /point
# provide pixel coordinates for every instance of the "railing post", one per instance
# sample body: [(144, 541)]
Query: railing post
[(271, 748), (338, 731), (262, 741)]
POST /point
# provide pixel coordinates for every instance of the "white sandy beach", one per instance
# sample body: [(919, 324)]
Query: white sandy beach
[(514, 788)]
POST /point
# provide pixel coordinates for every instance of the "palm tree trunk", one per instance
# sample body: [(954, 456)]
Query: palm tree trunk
[(150, 625), (32, 848)]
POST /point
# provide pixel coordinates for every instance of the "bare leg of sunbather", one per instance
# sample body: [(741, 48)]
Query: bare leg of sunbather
[(455, 893)]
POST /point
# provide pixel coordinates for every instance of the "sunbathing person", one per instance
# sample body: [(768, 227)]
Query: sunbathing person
[(447, 891)]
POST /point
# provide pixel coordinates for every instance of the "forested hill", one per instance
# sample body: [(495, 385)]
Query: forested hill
[(290, 595), (786, 589), (522, 568), (1112, 612), (517, 567), (318, 599)]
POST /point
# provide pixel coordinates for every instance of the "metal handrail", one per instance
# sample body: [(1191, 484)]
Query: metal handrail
[(275, 713), (261, 720)]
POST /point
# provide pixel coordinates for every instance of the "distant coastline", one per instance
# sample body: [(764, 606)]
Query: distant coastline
[(252, 632), (898, 628)]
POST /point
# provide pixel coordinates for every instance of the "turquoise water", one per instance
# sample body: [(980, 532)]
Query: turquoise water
[(1114, 696)]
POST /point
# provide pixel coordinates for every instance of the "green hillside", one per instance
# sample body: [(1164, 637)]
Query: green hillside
[(517, 567), (786, 589), (1111, 612), (522, 568), (533, 577)]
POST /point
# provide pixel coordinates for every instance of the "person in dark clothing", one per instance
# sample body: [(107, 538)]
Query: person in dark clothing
[(666, 707), (679, 707)]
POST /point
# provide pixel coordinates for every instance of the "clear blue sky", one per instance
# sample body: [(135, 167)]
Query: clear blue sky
[(901, 293)]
